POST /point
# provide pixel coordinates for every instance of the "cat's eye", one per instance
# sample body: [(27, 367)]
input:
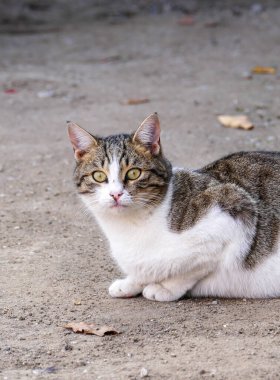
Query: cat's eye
[(133, 174), (99, 176)]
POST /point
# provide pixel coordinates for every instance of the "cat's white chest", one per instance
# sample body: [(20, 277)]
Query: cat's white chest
[(137, 244)]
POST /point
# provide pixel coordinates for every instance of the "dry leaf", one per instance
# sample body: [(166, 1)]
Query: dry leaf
[(187, 20), (240, 121), (263, 70), (77, 302), (132, 102), (91, 328)]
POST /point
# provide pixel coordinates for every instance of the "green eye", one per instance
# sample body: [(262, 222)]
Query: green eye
[(133, 174), (99, 176)]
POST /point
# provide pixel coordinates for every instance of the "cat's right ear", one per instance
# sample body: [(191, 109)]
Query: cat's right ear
[(80, 139)]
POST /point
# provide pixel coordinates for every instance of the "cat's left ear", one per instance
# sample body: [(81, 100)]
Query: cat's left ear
[(148, 134), (81, 140)]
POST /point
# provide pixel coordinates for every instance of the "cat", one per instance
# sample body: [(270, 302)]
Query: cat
[(208, 232)]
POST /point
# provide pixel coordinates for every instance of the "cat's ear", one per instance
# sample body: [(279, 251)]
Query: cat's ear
[(80, 139), (148, 134)]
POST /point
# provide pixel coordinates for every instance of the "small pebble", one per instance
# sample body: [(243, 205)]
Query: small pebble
[(247, 75), (143, 372), (39, 371), (68, 347), (45, 94)]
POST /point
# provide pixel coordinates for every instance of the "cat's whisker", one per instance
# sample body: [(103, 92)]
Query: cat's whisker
[(146, 202), (86, 212)]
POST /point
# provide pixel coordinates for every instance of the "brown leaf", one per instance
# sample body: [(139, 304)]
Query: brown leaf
[(90, 328), (187, 20), (263, 70), (135, 101), (239, 121)]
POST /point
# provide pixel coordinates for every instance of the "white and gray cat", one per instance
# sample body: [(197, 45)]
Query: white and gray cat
[(212, 232)]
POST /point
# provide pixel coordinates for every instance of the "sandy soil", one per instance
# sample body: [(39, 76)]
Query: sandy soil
[(55, 265)]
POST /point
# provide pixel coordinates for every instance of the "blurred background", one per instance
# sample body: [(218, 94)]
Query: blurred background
[(107, 65)]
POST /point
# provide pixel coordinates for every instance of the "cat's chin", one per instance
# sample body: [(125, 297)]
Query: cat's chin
[(118, 207), (121, 209)]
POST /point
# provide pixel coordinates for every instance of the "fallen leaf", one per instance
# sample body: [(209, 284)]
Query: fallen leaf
[(10, 91), (263, 70), (187, 20), (239, 121), (135, 101), (77, 302), (90, 328)]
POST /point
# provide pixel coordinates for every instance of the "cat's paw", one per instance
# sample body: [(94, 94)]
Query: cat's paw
[(156, 292), (124, 288)]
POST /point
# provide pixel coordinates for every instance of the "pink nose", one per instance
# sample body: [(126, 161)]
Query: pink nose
[(116, 196)]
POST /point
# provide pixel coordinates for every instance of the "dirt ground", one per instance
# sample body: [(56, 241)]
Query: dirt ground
[(55, 265)]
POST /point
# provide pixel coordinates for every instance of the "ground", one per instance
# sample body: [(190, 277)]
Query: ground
[(55, 264)]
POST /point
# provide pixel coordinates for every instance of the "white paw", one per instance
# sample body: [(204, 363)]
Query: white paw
[(124, 289), (156, 292)]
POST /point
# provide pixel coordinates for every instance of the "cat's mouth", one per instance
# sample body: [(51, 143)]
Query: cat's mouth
[(117, 205)]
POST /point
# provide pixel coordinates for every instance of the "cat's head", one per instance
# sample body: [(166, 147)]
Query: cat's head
[(121, 173)]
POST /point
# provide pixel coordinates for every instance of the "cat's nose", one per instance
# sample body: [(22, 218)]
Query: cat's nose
[(116, 195)]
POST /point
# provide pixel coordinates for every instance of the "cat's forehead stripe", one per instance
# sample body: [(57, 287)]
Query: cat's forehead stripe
[(114, 146), (108, 154)]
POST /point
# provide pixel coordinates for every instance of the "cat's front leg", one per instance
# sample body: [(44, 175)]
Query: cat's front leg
[(168, 290), (125, 288)]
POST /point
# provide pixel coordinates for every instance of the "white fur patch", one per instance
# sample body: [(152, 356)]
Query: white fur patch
[(114, 183)]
